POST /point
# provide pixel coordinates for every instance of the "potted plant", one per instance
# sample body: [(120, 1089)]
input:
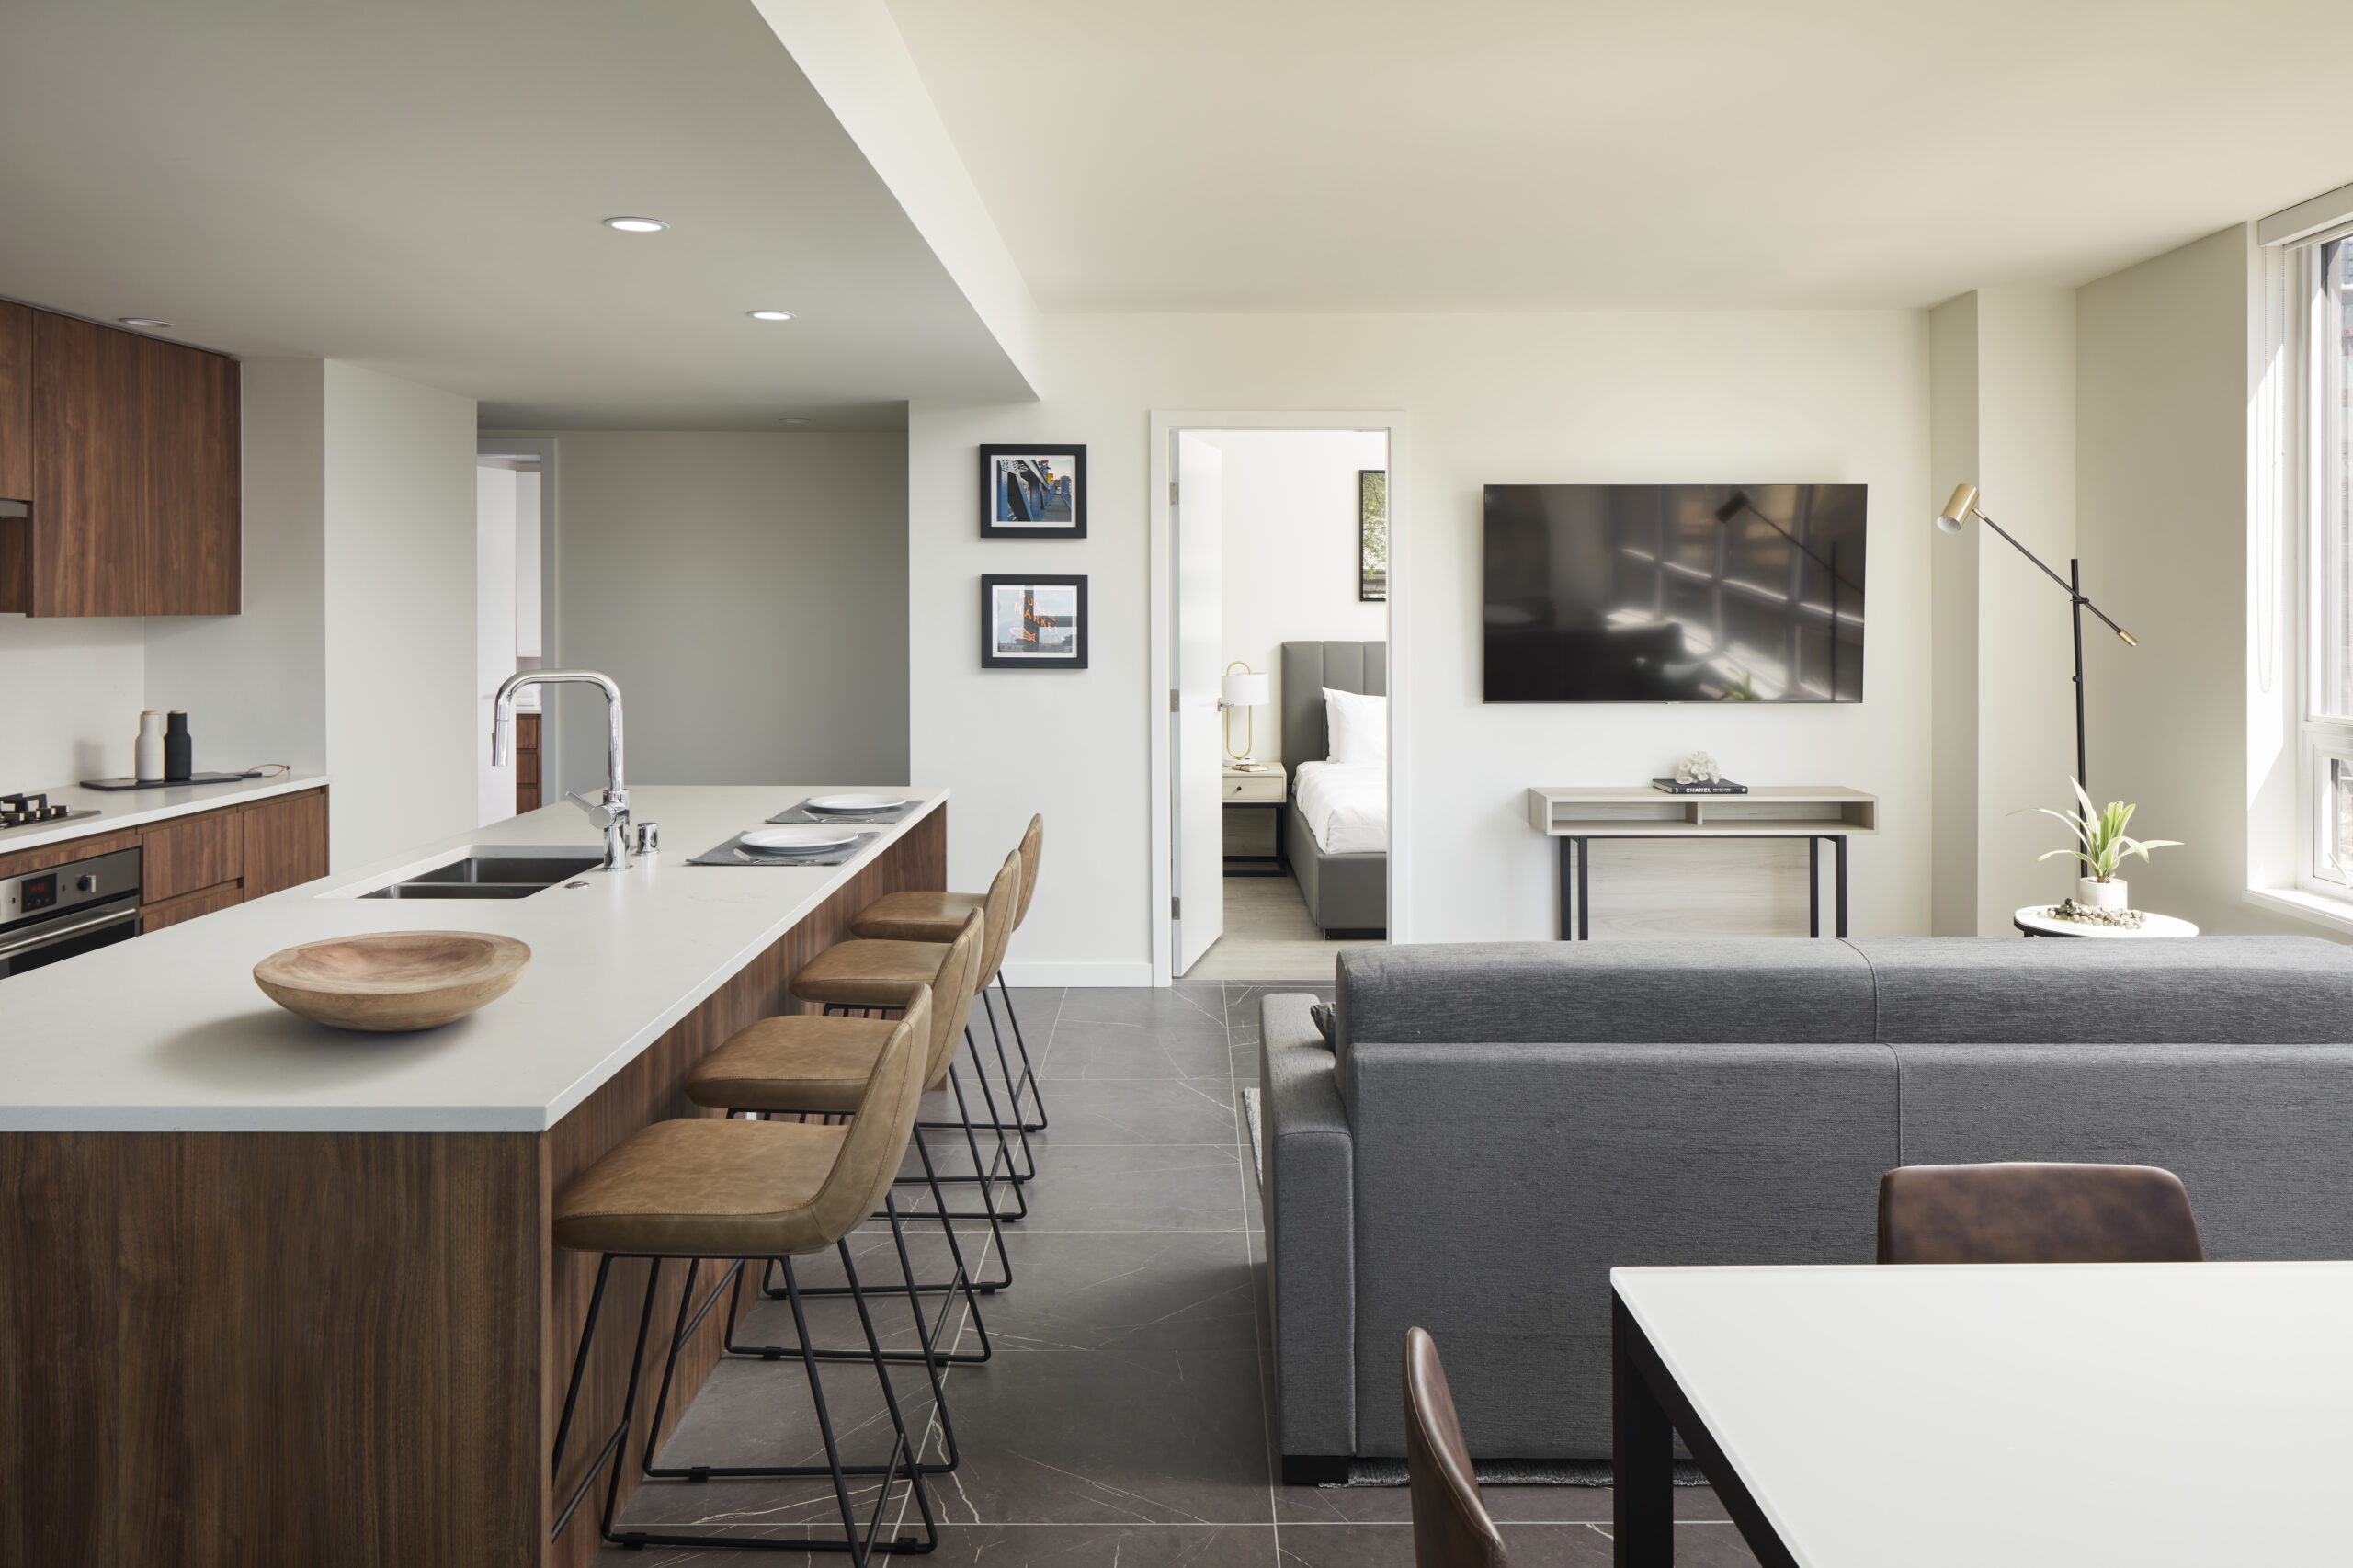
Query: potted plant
[(2101, 844)]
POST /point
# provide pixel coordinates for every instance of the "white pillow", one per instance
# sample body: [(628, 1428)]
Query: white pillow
[(1357, 724)]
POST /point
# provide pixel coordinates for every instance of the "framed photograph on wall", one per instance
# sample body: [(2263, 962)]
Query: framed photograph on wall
[(1033, 491), (1033, 623), (1372, 535)]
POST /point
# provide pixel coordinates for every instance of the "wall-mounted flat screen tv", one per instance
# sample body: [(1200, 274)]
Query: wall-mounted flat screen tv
[(1675, 593)]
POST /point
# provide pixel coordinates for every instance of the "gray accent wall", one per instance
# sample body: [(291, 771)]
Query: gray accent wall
[(749, 594)]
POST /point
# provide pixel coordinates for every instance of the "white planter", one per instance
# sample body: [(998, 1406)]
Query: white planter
[(2093, 893)]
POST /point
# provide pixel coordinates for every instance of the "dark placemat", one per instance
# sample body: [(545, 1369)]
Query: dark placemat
[(802, 814), (728, 852)]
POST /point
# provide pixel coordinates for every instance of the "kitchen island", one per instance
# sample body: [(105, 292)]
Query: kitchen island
[(275, 1293)]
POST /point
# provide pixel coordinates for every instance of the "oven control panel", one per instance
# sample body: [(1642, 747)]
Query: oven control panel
[(60, 888)]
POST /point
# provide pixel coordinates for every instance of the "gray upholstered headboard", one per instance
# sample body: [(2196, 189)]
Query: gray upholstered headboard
[(1308, 668)]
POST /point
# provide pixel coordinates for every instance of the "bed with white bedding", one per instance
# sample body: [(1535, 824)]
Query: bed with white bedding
[(1346, 805), (1338, 837)]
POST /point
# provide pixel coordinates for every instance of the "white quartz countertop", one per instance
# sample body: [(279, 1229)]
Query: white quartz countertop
[(168, 1032), (118, 809)]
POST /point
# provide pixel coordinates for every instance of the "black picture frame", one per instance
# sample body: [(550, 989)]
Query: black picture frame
[(1003, 655), (1000, 510), (1372, 535)]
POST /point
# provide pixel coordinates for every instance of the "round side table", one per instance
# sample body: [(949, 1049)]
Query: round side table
[(2032, 922)]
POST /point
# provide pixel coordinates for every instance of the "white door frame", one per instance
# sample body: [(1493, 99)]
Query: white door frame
[(1164, 424)]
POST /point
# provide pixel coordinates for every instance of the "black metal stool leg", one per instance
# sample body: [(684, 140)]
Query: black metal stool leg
[(860, 1543), (1029, 1073), (960, 1280)]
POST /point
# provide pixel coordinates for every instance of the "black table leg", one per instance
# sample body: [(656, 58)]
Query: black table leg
[(1813, 887), (1841, 842), (1568, 890), (1642, 1452), (1585, 903)]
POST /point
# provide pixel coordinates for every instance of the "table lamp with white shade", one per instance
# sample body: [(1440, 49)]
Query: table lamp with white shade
[(1245, 688)]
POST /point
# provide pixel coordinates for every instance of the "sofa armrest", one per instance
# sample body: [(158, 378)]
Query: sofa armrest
[(1308, 1188)]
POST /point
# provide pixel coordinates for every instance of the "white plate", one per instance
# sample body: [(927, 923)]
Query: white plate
[(856, 802), (799, 840)]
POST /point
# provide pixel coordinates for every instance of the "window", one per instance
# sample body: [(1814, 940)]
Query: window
[(2324, 273)]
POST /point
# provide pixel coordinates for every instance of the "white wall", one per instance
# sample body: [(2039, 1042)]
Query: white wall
[(399, 620), (1822, 396), (2026, 699), (2162, 420), (1290, 557), (497, 500), (747, 593), (71, 691), (1952, 570)]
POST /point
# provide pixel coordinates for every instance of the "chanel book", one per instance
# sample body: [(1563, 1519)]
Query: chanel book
[(1700, 787)]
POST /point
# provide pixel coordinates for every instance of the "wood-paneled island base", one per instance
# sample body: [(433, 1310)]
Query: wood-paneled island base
[(345, 1347)]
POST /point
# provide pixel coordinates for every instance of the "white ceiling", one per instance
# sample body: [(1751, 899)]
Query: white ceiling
[(1542, 155), (418, 187)]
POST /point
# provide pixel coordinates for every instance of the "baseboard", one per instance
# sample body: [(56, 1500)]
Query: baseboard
[(1079, 974)]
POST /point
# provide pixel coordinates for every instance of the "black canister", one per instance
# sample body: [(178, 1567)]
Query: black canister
[(178, 748)]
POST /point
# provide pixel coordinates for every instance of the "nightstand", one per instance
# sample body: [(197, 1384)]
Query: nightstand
[(1261, 788)]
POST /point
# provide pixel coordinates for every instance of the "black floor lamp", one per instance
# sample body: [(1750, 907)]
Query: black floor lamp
[(1963, 506)]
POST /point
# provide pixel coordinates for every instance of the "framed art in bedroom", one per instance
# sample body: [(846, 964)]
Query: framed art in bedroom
[(1033, 623), (1033, 491)]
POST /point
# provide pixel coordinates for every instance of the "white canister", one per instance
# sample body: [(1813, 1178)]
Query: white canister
[(148, 760), (2093, 893)]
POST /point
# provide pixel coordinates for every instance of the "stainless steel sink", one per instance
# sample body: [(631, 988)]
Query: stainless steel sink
[(490, 869), (491, 876)]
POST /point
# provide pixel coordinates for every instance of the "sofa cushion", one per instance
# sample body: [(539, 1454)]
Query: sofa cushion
[(2255, 1132), (2204, 990), (1498, 1186), (1761, 992)]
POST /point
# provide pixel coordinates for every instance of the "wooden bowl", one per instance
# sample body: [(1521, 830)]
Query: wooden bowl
[(391, 981)]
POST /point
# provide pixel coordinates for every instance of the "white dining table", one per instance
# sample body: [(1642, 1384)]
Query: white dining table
[(2028, 1415)]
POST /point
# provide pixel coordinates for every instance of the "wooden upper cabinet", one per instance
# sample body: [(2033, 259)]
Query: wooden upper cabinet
[(16, 402), (134, 478)]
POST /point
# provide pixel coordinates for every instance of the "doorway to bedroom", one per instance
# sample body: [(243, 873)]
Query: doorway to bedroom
[(1279, 726)]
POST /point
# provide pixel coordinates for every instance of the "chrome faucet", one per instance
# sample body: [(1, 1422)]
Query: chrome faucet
[(612, 813)]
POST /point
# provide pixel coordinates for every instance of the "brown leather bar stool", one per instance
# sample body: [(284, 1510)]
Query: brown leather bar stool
[(927, 916), (2017, 1212), (712, 1188), (1451, 1528), (866, 972), (803, 1065)]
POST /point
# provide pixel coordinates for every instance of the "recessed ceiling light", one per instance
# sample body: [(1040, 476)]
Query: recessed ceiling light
[(794, 419), (636, 225), (771, 315), (148, 322)]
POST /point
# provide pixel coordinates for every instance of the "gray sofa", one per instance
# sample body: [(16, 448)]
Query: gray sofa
[(1495, 1126)]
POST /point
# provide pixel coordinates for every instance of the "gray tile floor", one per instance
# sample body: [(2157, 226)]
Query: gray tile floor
[(1123, 1418)]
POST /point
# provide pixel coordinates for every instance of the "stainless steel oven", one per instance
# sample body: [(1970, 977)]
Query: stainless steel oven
[(55, 913)]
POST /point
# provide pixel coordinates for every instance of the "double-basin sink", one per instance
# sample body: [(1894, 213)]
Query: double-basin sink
[(501, 875)]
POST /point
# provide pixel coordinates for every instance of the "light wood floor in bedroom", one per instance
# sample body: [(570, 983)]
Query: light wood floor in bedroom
[(1268, 936)]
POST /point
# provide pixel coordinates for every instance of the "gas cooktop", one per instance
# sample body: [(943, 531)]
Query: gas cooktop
[(28, 810)]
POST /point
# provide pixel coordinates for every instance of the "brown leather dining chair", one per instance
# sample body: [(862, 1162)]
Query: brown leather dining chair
[(1451, 1528), (2018, 1212)]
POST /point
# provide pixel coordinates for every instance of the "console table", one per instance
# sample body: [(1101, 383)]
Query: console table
[(1811, 812)]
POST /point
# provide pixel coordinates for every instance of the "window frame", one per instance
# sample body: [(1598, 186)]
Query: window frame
[(2323, 546)]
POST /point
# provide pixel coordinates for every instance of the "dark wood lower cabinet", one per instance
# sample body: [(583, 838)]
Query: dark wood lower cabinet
[(289, 1348), (184, 854), (286, 841), (154, 915), (212, 861)]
